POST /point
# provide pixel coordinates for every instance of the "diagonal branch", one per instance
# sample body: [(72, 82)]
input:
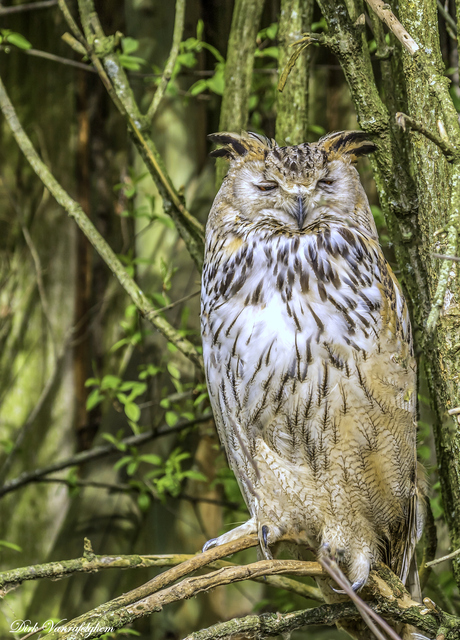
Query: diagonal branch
[(99, 47), (92, 563), (96, 453), (170, 64), (102, 247)]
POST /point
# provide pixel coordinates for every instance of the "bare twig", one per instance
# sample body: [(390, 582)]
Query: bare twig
[(66, 61), (385, 14), (448, 150), (169, 68), (441, 256), (30, 6), (447, 17), (365, 611), (443, 559), (102, 247), (98, 452)]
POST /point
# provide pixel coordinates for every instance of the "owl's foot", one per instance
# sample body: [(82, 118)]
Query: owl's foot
[(358, 568), (246, 529)]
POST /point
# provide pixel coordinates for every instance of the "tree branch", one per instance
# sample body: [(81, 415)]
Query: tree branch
[(448, 150), (99, 47), (30, 6), (170, 64), (102, 247), (91, 563), (98, 452), (385, 14)]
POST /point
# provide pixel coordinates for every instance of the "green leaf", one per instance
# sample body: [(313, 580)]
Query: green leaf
[(270, 52), (122, 462), (91, 382), (151, 458), (18, 40), (173, 370), (110, 382), (132, 411), (133, 63), (199, 29), (198, 87), (132, 467), (10, 545), (171, 418), (93, 399), (195, 475), (121, 446), (143, 501), (129, 45), (217, 83), (272, 31)]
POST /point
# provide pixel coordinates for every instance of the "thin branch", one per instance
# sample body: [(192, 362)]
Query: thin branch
[(169, 68), (441, 256), (448, 150), (30, 6), (368, 615), (163, 580), (116, 82), (190, 586), (66, 61), (447, 17), (443, 559), (383, 10), (91, 563), (129, 488), (98, 452), (102, 247)]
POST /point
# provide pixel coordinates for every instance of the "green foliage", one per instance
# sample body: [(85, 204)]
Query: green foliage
[(127, 60), (124, 392), (10, 545), (188, 59), (11, 37)]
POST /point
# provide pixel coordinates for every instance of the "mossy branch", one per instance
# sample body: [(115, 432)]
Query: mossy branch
[(99, 48), (92, 563), (101, 246), (387, 597)]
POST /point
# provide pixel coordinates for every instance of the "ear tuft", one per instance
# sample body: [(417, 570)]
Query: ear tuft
[(234, 145), (352, 144)]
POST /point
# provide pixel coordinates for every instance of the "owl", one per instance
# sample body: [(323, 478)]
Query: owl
[(308, 355)]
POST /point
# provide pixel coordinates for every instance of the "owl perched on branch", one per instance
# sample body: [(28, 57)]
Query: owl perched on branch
[(308, 353)]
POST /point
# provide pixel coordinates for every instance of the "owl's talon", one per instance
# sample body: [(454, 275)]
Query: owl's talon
[(209, 544), (356, 586), (265, 535), (339, 591)]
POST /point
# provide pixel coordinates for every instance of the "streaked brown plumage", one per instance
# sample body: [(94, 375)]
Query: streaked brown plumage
[(308, 353)]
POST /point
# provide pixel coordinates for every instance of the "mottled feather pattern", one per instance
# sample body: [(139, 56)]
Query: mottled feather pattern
[(308, 353)]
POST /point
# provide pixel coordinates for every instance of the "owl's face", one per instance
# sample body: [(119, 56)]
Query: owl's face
[(299, 186)]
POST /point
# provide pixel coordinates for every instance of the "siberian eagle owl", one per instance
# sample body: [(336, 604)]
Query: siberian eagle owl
[(308, 355)]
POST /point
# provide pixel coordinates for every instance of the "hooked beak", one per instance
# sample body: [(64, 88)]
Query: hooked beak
[(300, 212)]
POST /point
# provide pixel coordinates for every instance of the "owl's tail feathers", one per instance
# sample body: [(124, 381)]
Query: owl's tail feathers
[(246, 529), (413, 581)]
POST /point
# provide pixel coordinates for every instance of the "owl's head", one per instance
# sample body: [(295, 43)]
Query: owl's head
[(297, 186)]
